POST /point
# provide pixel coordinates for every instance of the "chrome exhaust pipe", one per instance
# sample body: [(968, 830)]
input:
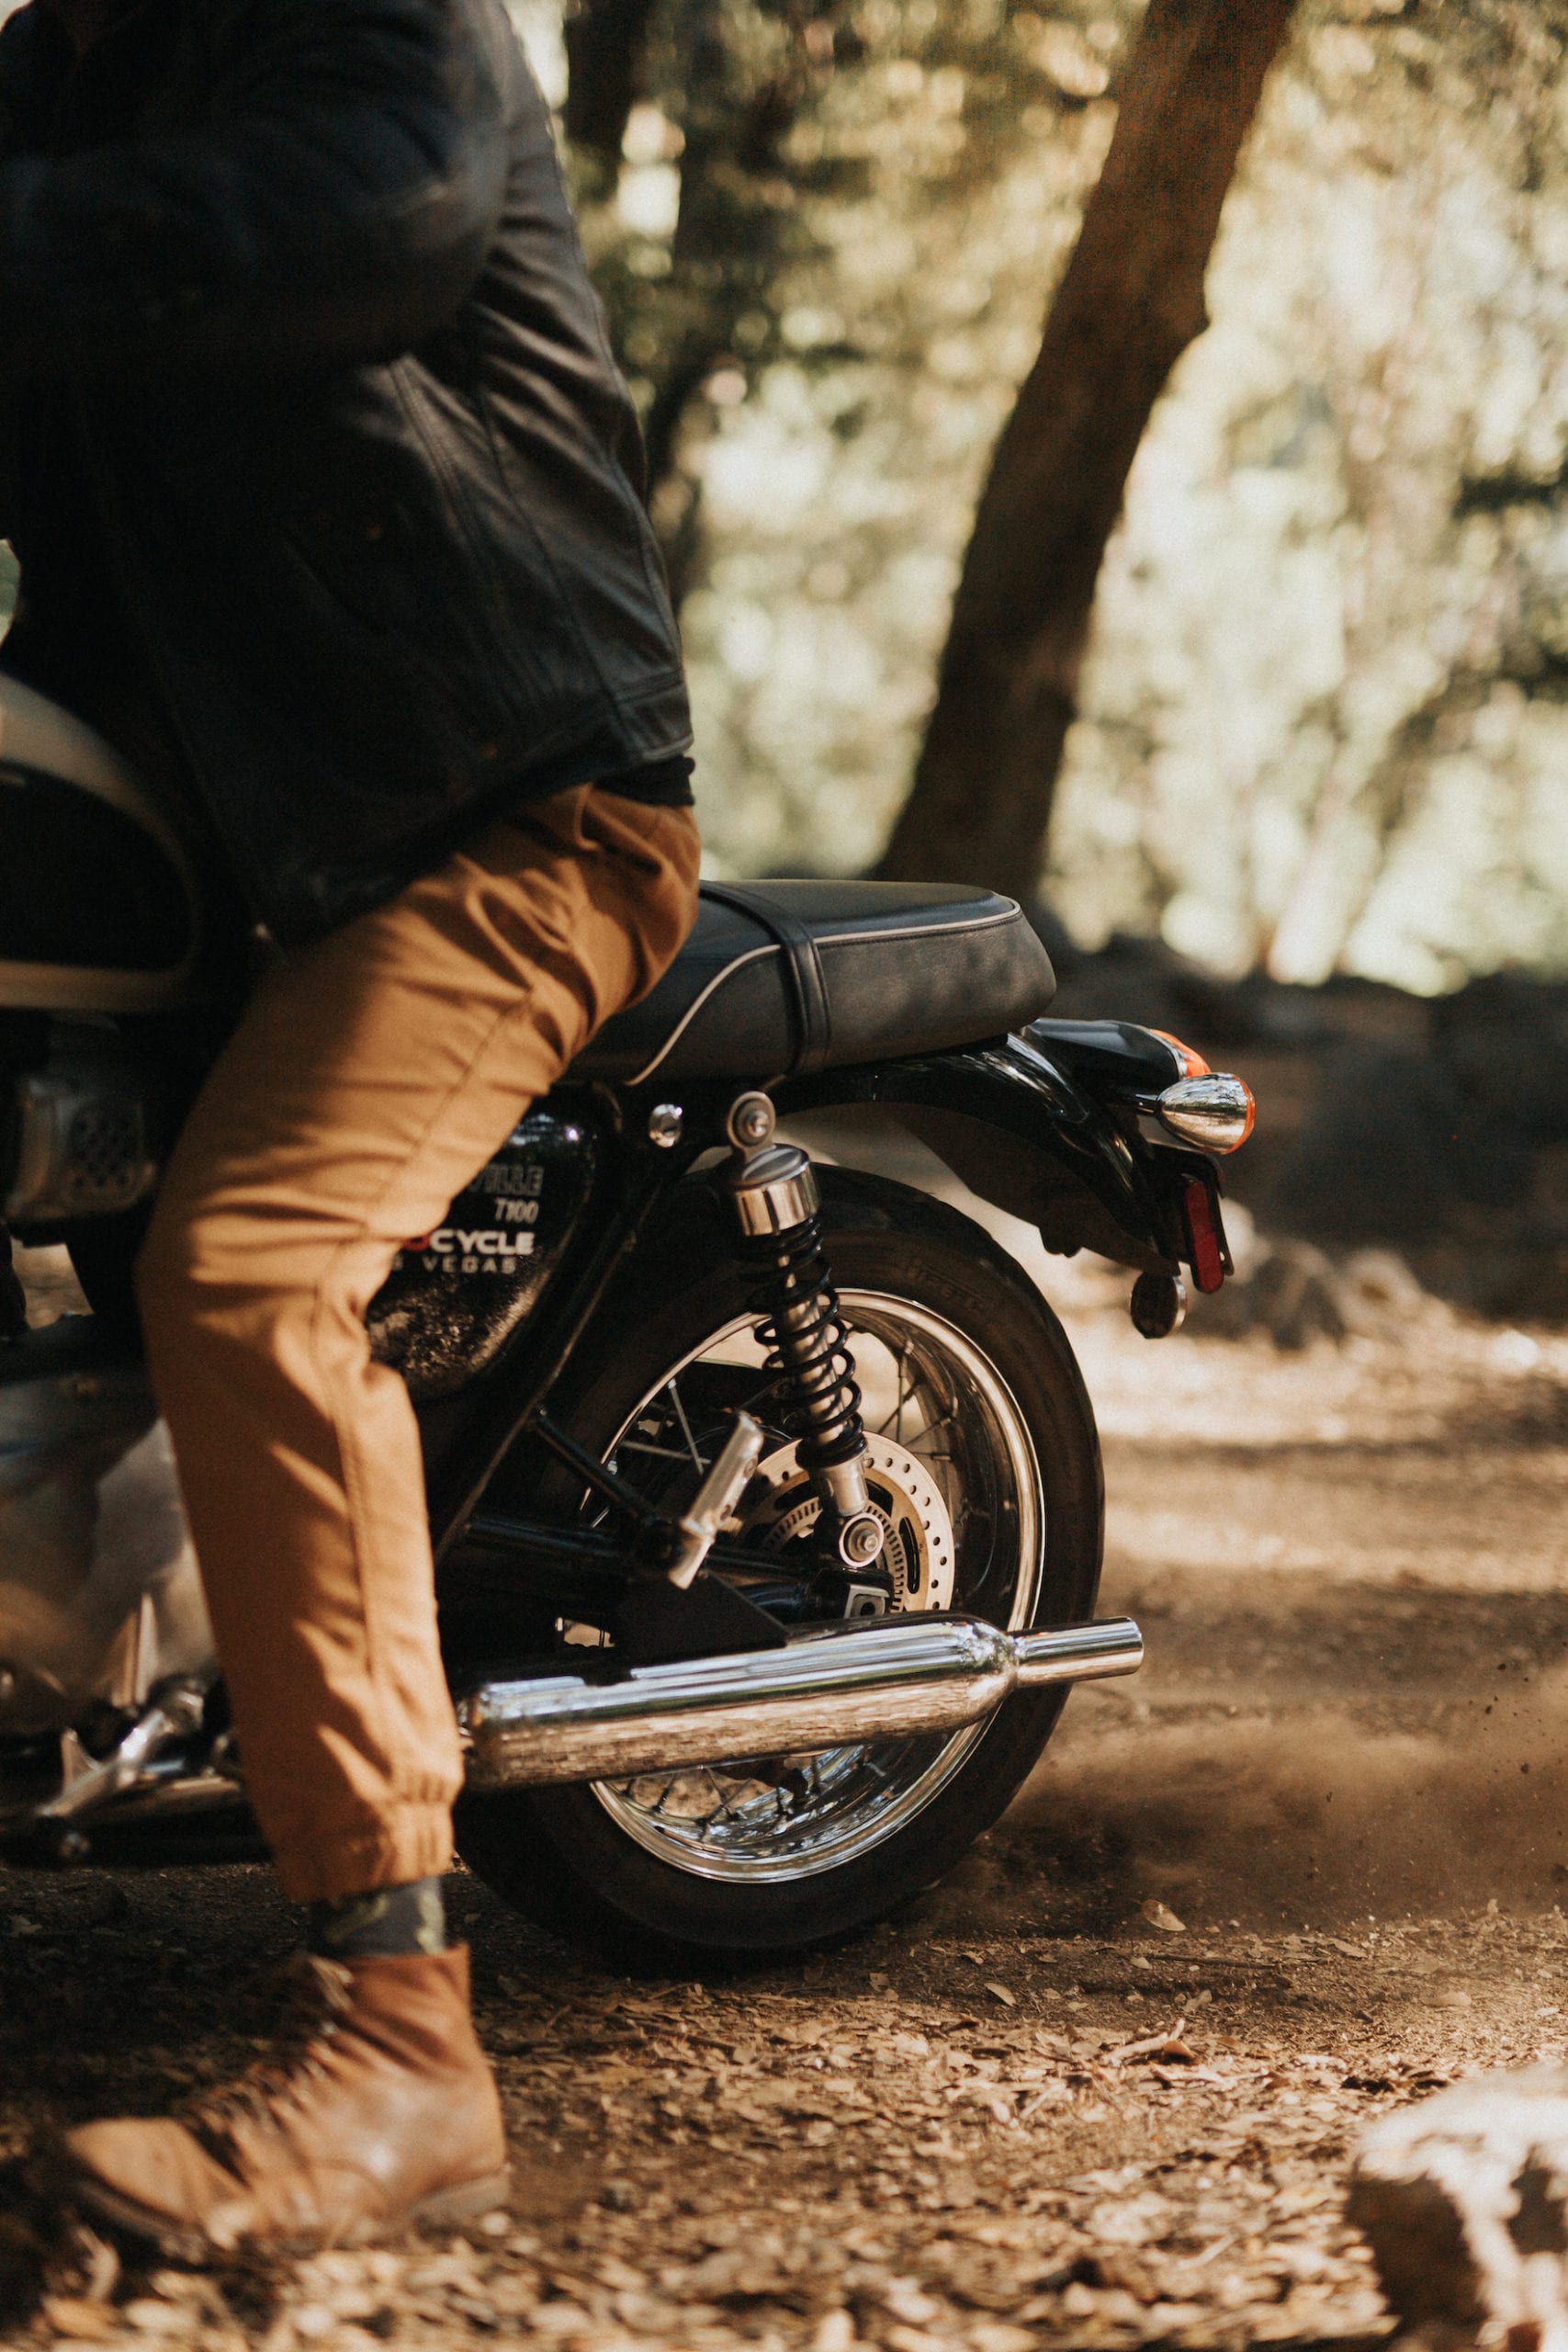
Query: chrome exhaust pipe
[(825, 1689)]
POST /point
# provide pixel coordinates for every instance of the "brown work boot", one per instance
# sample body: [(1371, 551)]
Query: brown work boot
[(378, 2108)]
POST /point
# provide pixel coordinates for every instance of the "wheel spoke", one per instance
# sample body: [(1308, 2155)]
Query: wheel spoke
[(657, 1453), (673, 1391), (903, 1395), (911, 1443)]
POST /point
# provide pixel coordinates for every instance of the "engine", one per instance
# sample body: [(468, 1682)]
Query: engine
[(99, 922)]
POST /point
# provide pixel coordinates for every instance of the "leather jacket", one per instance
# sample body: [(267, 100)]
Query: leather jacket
[(294, 286)]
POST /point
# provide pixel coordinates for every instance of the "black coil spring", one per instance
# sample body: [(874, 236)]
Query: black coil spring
[(801, 1327)]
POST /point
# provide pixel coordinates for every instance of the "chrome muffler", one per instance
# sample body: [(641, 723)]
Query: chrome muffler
[(825, 1689)]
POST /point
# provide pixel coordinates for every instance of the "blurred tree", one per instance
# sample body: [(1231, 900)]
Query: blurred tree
[(1129, 303), (728, 80), (607, 42)]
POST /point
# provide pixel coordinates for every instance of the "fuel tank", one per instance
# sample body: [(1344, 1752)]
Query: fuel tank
[(98, 902)]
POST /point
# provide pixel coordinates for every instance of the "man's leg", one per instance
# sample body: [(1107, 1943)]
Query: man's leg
[(372, 1074)]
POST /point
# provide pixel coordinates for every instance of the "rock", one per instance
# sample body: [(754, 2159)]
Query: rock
[(1464, 2201), (1296, 1294), (1290, 1290)]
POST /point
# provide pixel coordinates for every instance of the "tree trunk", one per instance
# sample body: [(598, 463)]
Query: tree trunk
[(1130, 301), (605, 41)]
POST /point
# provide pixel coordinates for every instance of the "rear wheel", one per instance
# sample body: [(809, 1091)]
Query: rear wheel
[(985, 1468)]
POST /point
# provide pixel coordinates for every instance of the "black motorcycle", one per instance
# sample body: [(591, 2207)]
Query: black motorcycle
[(765, 1495)]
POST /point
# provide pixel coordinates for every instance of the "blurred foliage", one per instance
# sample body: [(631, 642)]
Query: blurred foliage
[(1324, 720), (1326, 716)]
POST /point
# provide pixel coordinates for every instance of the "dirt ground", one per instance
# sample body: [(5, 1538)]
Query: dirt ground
[(1100, 2088)]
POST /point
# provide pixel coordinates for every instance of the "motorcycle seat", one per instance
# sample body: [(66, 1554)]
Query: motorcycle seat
[(780, 979)]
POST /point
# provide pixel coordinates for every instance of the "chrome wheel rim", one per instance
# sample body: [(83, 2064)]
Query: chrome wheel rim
[(770, 1820)]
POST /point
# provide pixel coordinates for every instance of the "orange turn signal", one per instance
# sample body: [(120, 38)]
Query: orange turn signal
[(1192, 1064)]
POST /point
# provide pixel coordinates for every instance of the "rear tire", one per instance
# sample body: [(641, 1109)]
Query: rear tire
[(660, 1897)]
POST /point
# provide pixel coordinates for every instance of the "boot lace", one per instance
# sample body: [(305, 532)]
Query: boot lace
[(269, 2090)]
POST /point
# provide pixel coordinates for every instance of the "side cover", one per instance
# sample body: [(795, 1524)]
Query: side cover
[(457, 1294)]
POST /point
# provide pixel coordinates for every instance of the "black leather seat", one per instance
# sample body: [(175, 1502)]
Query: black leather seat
[(783, 977)]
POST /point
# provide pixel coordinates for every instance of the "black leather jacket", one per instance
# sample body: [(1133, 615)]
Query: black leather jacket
[(293, 316)]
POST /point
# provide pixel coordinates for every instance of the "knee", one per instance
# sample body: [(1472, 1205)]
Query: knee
[(191, 1268), (211, 1272)]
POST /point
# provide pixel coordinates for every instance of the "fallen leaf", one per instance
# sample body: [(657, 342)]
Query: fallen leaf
[(835, 2333), (1167, 2044), (1168, 2081), (1003, 1995), (85, 2322), (561, 2319), (1159, 1915), (905, 2299), (150, 2315)]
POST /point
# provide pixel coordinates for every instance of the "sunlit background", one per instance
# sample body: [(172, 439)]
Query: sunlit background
[(1325, 719)]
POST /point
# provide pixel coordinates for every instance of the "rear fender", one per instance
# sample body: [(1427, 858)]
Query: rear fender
[(1030, 1137)]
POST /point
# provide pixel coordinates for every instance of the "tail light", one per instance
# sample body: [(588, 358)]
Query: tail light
[(1211, 1110), (1206, 1249)]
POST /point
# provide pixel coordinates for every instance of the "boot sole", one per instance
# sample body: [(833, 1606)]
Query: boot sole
[(178, 2242)]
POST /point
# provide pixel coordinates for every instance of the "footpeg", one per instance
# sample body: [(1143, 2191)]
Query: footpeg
[(174, 1716), (728, 1476)]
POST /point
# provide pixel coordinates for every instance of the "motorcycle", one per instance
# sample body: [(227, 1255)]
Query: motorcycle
[(765, 1494)]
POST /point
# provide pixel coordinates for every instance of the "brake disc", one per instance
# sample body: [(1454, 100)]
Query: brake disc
[(918, 1550)]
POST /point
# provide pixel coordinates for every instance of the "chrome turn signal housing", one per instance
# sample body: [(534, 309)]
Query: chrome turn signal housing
[(1213, 1112)]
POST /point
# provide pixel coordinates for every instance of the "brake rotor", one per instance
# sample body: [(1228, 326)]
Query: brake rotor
[(782, 1505)]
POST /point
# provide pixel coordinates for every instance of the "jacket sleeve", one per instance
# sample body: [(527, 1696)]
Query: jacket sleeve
[(336, 204)]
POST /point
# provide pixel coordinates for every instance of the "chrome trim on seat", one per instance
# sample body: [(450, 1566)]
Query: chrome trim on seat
[(920, 930), (693, 1010)]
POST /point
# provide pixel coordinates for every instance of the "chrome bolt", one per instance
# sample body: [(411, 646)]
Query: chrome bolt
[(751, 1121), (665, 1122), (861, 1541)]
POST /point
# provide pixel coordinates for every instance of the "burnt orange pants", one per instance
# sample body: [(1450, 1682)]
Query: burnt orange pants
[(372, 1075)]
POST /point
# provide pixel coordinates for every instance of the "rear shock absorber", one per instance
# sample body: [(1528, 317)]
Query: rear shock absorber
[(801, 1326)]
